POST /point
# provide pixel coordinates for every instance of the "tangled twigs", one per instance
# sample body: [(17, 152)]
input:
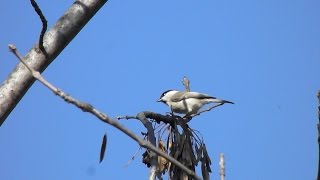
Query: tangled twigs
[(183, 144)]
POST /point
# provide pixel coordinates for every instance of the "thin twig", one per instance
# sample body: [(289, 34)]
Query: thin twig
[(44, 24), (104, 118), (126, 117), (205, 110), (164, 128), (132, 158), (196, 136)]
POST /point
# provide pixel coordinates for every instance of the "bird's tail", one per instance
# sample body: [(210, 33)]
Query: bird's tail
[(216, 100), (224, 101)]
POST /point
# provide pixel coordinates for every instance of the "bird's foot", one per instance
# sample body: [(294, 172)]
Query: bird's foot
[(187, 118)]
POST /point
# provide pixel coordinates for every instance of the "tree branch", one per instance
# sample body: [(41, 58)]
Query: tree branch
[(155, 116), (104, 118), (152, 139), (54, 41)]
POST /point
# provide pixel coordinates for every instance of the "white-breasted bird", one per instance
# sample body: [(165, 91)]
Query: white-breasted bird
[(187, 103)]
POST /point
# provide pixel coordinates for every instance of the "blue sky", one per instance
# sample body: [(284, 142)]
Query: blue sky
[(263, 55)]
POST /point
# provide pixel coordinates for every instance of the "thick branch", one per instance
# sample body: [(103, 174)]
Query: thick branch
[(104, 118), (54, 41)]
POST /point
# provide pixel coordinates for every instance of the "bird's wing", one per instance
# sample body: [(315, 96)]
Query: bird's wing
[(179, 96)]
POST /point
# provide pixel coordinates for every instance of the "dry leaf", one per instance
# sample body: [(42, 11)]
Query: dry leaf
[(103, 147), (162, 162)]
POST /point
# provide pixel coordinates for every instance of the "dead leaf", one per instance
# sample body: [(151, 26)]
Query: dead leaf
[(103, 147), (162, 162)]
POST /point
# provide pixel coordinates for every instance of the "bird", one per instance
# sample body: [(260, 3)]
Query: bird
[(187, 103)]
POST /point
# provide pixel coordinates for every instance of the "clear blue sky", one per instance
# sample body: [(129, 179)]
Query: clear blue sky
[(263, 55)]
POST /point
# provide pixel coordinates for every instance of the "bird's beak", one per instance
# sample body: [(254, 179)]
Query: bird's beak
[(159, 100)]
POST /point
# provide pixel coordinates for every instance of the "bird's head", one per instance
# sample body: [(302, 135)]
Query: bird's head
[(166, 96)]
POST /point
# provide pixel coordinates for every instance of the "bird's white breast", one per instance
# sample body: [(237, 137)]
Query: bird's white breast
[(190, 106)]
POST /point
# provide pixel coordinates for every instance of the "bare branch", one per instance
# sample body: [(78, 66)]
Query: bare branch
[(126, 117), (104, 118), (132, 158), (44, 25), (152, 139), (155, 116), (54, 41)]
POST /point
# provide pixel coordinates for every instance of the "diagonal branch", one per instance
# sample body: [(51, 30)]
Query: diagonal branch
[(44, 25), (104, 118), (55, 40)]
